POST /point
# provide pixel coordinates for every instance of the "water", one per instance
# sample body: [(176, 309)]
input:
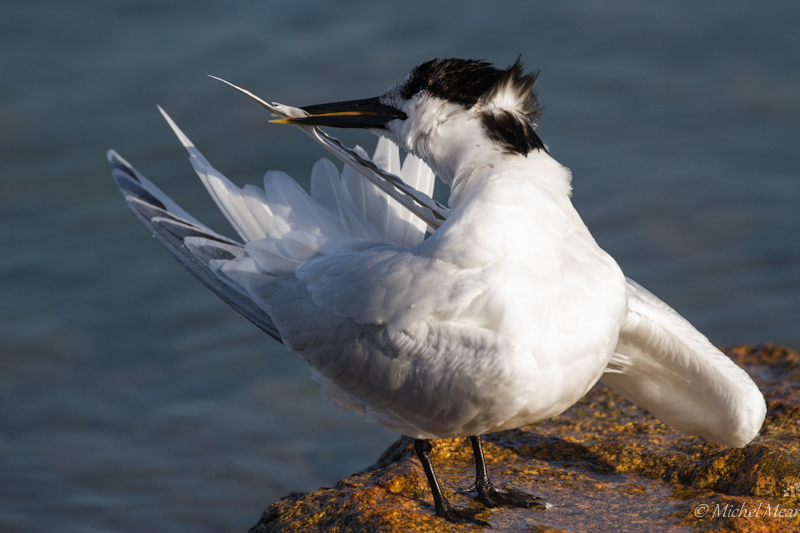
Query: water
[(131, 399)]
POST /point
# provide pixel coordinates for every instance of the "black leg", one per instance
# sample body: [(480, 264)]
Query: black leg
[(453, 513), (489, 495)]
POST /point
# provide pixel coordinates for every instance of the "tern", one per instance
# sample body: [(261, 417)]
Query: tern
[(505, 315)]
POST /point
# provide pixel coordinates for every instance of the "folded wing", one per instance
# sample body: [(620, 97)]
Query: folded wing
[(663, 364)]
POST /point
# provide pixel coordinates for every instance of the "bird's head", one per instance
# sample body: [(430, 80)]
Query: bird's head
[(448, 112)]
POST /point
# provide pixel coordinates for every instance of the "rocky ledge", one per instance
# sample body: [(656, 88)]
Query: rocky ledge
[(604, 464)]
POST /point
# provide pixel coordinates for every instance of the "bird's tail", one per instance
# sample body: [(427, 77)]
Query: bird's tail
[(283, 226)]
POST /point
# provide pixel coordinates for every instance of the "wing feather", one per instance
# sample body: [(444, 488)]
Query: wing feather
[(193, 244), (663, 364)]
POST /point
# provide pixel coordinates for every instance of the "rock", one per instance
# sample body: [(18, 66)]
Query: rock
[(605, 465)]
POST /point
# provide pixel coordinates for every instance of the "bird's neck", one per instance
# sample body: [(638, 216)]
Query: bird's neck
[(514, 209), (537, 170)]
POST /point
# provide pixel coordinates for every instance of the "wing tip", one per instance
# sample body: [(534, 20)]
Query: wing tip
[(177, 131), (119, 164)]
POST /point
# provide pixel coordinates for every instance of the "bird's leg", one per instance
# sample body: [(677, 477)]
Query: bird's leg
[(452, 513), (489, 495)]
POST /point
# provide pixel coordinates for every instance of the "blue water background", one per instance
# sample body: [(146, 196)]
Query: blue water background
[(132, 399)]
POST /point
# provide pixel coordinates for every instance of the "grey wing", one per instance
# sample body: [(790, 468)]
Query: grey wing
[(193, 244)]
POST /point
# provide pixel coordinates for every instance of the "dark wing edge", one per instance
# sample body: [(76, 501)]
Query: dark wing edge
[(193, 244)]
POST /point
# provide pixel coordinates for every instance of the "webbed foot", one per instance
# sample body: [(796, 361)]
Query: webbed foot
[(458, 514), (491, 496)]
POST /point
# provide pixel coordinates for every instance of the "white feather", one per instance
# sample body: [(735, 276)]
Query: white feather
[(505, 316), (663, 364), (342, 213), (378, 313)]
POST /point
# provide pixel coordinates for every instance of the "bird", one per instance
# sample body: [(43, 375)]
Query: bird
[(498, 311)]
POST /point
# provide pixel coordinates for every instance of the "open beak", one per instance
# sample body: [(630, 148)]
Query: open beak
[(367, 113)]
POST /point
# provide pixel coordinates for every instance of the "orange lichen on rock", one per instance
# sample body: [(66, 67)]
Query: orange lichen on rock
[(605, 464)]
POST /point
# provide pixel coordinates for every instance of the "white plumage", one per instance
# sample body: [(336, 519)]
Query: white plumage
[(663, 364), (505, 316)]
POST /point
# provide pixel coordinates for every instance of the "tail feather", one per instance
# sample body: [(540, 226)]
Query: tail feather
[(352, 190), (420, 203), (387, 156), (226, 195), (255, 200), (295, 208), (282, 225), (325, 189), (416, 174), (339, 209)]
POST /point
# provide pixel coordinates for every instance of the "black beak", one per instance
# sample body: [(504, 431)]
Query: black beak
[(367, 113)]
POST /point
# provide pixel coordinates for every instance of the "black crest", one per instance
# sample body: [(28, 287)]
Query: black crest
[(461, 81), (469, 82)]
